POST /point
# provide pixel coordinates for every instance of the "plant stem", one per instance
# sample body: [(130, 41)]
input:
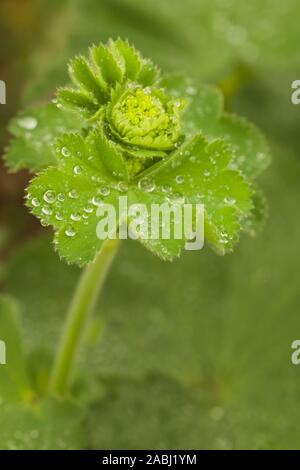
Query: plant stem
[(82, 304)]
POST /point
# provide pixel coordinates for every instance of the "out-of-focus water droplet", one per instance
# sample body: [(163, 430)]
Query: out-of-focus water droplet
[(217, 413), (190, 90), (260, 156), (58, 216), (34, 434), (229, 200), (61, 197), (29, 123)]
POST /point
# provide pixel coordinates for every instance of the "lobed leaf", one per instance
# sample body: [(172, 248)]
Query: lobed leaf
[(35, 132), (14, 380)]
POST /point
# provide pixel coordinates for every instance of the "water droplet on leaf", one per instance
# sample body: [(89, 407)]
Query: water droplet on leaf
[(65, 152), (77, 170), (70, 232), (73, 194), (49, 197), (147, 185), (35, 202), (179, 179)]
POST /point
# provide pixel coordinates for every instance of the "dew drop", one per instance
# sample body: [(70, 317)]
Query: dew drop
[(76, 217), (28, 123), (179, 179), (47, 210), (58, 216), (73, 194), (65, 152), (206, 173), (166, 188), (96, 201), (122, 187), (77, 170), (35, 202), (105, 191), (88, 209), (61, 197), (147, 185), (49, 197), (176, 198), (70, 232)]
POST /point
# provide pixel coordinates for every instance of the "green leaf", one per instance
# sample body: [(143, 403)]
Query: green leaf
[(34, 134), (76, 100), (204, 102), (49, 424), (207, 323), (110, 67), (14, 381), (204, 112), (251, 152), (166, 248), (199, 172), (112, 156), (82, 75), (255, 221), (176, 417), (131, 58), (149, 73), (67, 197)]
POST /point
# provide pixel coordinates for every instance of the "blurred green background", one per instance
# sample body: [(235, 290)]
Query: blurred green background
[(193, 354)]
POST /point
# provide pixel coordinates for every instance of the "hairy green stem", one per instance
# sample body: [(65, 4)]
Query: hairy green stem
[(82, 304)]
